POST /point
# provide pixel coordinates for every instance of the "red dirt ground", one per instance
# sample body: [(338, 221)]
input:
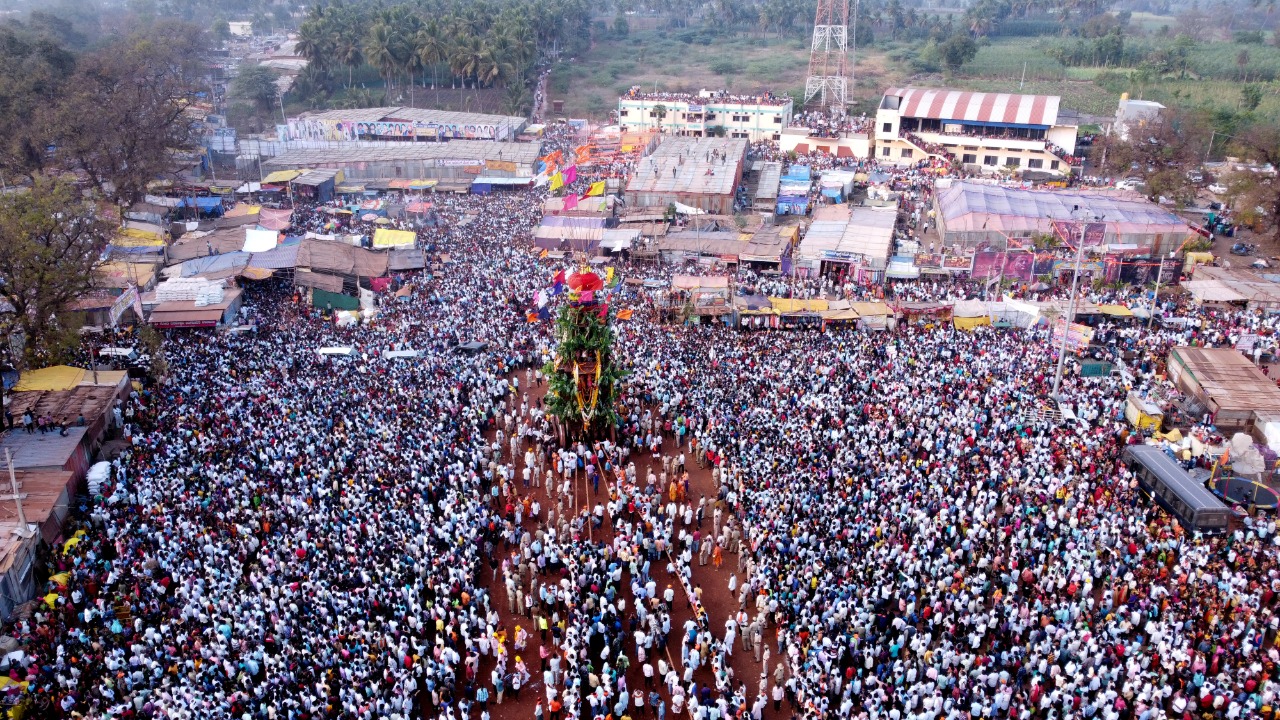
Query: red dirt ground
[(717, 600)]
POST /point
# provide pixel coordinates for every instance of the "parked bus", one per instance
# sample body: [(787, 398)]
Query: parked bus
[(1177, 492)]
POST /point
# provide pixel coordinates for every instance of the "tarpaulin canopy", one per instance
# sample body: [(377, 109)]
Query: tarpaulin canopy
[(789, 305), (132, 237), (386, 237), (275, 219), (280, 176), (972, 207), (243, 210), (1115, 310), (258, 240), (58, 377), (204, 204), (223, 264), (283, 256)]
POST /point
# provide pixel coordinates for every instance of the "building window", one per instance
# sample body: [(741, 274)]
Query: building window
[(970, 147), (990, 160), (884, 152), (777, 136), (777, 119), (969, 159), (740, 118), (624, 113), (1053, 165), (906, 152), (1035, 163), (1015, 162), (739, 135), (710, 116), (887, 127)]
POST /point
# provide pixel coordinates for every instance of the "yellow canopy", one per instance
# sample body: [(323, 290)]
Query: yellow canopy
[(386, 237), (133, 237), (280, 176), (786, 305), (1116, 310), (969, 323), (244, 210), (58, 377)]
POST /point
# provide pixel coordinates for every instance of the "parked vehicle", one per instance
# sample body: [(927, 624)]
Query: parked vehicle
[(1217, 188), (1175, 490)]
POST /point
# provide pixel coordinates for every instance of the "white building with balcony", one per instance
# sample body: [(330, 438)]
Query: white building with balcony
[(748, 117), (982, 132)]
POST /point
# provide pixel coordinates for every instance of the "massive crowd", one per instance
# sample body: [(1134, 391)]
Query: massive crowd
[(784, 524)]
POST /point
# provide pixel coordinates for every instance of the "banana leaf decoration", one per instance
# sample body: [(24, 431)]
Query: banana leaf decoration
[(595, 391)]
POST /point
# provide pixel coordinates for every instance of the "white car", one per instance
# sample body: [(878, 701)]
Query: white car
[(1130, 184), (1217, 188)]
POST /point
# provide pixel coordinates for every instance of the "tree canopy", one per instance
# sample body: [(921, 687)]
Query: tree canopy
[(51, 238)]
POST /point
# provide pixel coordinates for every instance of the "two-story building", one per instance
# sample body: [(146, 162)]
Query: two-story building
[(982, 132), (748, 117)]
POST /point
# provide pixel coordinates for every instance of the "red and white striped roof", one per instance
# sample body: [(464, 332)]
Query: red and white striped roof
[(1005, 108)]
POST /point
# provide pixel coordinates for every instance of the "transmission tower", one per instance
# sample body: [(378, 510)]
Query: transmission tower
[(827, 86)]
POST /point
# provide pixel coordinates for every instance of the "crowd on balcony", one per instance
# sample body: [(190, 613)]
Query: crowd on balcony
[(930, 147), (821, 124), (720, 96)]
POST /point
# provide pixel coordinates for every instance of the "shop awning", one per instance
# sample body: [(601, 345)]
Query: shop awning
[(1116, 310), (281, 176), (186, 318)]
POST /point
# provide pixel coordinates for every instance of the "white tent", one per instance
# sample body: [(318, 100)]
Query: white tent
[(687, 210), (256, 240)]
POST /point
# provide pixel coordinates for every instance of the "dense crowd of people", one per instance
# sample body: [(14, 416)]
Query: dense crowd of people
[(844, 524)]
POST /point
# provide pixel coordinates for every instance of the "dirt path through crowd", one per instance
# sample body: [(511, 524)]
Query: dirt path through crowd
[(719, 603)]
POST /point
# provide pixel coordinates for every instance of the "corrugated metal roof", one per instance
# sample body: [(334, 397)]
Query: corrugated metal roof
[(42, 450), (390, 114), (478, 150), (684, 165), (1005, 108)]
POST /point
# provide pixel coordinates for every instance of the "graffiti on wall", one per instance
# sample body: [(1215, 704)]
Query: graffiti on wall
[(345, 130)]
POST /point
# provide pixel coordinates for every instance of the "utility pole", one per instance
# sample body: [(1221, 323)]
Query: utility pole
[(1023, 81), (1209, 150), (1071, 311), (1155, 299), (24, 530)]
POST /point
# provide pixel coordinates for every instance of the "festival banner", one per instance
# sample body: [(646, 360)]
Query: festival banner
[(1078, 338), (557, 182), (502, 165), (597, 189), (122, 303), (570, 174)]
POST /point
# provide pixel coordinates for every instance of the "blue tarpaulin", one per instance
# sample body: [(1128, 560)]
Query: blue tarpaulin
[(203, 204)]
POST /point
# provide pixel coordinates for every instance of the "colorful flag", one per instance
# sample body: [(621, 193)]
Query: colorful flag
[(597, 189), (557, 182), (558, 279), (608, 275), (570, 174), (624, 314), (544, 253), (531, 317)]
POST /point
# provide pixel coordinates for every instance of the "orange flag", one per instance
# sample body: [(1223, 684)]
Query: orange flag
[(624, 314)]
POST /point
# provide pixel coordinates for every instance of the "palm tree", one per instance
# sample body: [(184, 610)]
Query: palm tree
[(474, 59), (380, 52), (313, 44), (517, 100), (660, 112), (431, 48), (347, 51)]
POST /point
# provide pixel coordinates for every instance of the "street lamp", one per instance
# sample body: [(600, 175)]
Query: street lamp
[(1078, 213)]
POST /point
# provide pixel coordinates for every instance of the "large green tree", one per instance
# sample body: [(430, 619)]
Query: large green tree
[(51, 239)]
